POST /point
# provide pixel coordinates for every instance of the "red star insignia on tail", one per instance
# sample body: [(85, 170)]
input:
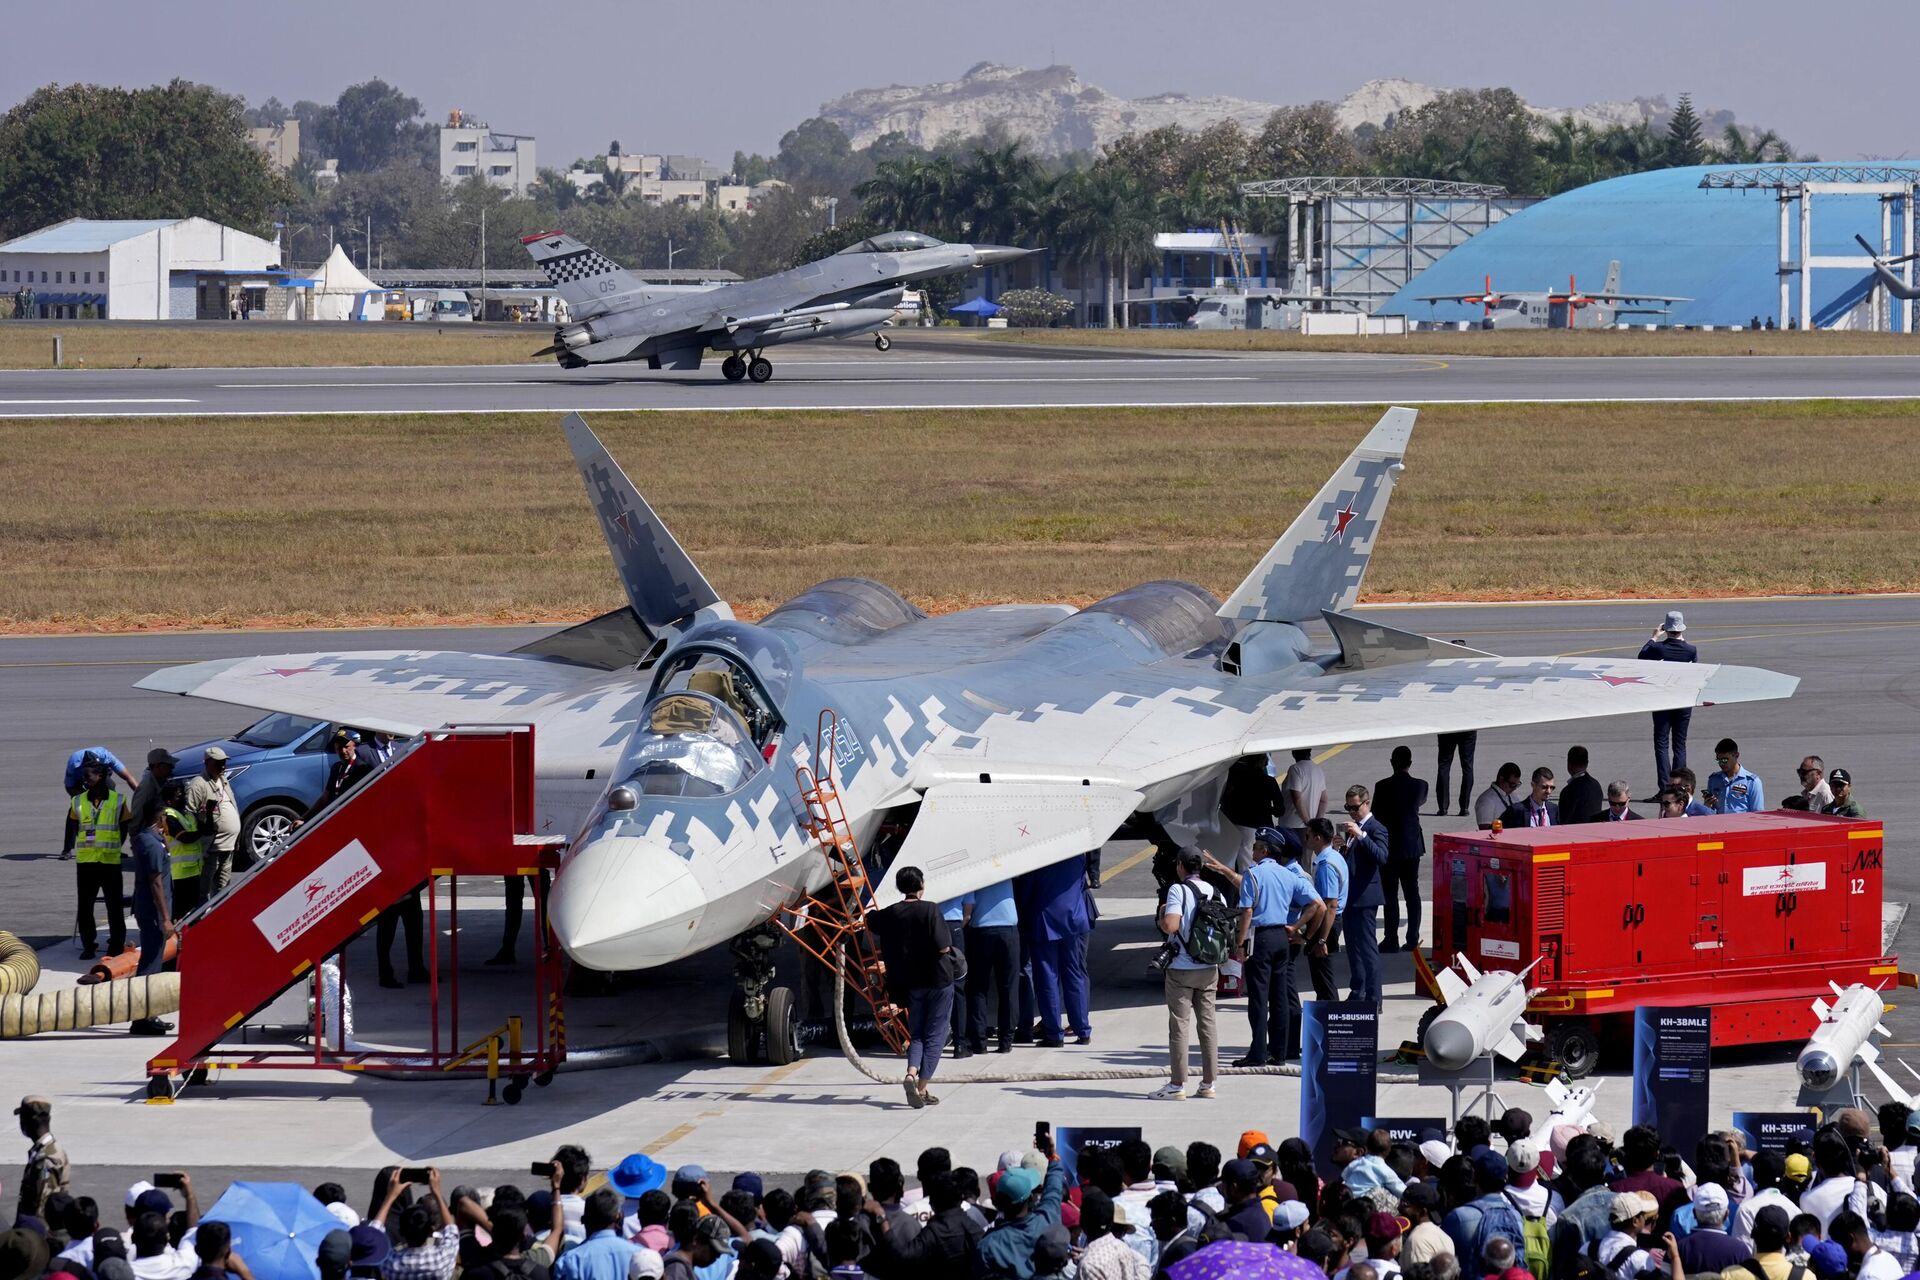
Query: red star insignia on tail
[(290, 671), (1341, 519), (624, 523)]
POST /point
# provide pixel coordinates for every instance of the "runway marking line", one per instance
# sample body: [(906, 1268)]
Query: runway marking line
[(116, 400), (812, 382), (1764, 635)]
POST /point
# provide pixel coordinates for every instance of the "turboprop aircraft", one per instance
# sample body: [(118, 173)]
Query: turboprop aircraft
[(668, 734), (1551, 309), (613, 316)]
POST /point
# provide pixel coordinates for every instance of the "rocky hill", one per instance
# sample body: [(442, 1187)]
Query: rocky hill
[(1058, 112)]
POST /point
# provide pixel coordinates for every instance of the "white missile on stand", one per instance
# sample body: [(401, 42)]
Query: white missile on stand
[(1570, 1104), (1842, 1042), (1484, 1014)]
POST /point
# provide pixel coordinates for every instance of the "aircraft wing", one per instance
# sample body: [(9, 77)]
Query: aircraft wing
[(398, 691), (1631, 297), (1173, 722)]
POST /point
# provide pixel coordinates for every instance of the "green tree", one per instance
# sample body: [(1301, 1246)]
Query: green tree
[(1298, 142), (1763, 147), (773, 238), (1463, 135), (1106, 217), (171, 151), (1684, 144), (815, 154), (374, 124), (751, 169)]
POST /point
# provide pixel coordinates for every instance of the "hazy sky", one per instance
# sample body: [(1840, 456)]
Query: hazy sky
[(704, 78)]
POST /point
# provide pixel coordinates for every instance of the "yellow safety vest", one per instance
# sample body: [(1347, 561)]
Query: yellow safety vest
[(185, 855), (98, 839)]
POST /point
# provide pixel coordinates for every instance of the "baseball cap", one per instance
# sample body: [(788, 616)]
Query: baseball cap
[(1491, 1166), (1348, 1138), (154, 1201), (751, 1184), (646, 1265), (1839, 775), (1010, 1159), (1015, 1185), (714, 1228), (1263, 1154), (1523, 1155), (636, 1175), (1824, 1257), (689, 1173), (1435, 1152), (216, 753), (336, 1251), (1172, 1159), (344, 1214), (1709, 1195), (1248, 1141), (1122, 1221), (370, 1245), (1422, 1195), (1241, 1173), (1799, 1168), (160, 755), (1053, 1249), (1625, 1207), (1385, 1226), (137, 1190), (1290, 1215)]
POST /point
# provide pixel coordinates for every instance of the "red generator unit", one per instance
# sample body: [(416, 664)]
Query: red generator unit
[(1751, 914)]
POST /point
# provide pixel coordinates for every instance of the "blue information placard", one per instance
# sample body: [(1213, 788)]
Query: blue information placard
[(1339, 1066), (1671, 1071), (1770, 1130)]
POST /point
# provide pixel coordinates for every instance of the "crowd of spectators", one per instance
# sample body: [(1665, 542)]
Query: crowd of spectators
[(1506, 1201)]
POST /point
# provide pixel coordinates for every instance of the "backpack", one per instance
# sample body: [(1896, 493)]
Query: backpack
[(1209, 935), (1539, 1241)]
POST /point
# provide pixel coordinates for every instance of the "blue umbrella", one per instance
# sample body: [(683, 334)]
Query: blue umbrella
[(277, 1227)]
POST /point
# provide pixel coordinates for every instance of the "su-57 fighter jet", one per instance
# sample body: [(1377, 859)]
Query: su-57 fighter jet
[(999, 739), (614, 316)]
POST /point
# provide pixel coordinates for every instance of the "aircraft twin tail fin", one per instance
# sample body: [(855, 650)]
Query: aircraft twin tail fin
[(662, 582), (1319, 561), (1613, 278), (584, 277)]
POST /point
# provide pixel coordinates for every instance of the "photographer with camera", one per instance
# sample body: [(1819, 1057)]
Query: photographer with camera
[(429, 1239), (1199, 927)]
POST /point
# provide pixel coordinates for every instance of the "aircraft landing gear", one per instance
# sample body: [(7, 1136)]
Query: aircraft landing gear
[(733, 368), (881, 342), (761, 1022), (759, 368)]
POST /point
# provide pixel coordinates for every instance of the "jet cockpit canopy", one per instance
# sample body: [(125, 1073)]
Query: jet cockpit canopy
[(895, 242), (689, 744)]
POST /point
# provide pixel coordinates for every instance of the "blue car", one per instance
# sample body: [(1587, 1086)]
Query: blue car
[(278, 766)]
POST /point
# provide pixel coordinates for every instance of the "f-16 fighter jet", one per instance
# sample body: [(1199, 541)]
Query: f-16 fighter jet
[(614, 316), (999, 739)]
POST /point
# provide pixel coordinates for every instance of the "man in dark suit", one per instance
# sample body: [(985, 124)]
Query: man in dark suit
[(1056, 915), (1397, 801), (1538, 809), (1364, 842), (1580, 798), (1668, 644), (1619, 805)]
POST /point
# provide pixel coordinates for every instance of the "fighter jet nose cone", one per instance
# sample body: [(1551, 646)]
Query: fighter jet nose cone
[(622, 902), (988, 255), (1449, 1045)]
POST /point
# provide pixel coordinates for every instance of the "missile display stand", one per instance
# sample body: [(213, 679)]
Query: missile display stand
[(1477, 1075)]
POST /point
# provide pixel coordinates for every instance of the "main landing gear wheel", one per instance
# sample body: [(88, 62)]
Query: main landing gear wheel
[(783, 1029), (1576, 1046), (733, 368), (881, 342), (760, 369)]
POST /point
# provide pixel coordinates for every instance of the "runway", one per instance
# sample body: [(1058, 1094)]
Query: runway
[(946, 373)]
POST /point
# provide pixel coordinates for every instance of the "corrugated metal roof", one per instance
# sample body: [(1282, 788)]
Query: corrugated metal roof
[(84, 235), (1720, 248)]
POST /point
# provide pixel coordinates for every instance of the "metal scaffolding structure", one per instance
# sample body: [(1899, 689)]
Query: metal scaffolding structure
[(1356, 241), (1795, 186)]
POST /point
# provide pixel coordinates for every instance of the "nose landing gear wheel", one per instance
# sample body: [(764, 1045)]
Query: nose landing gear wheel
[(760, 369), (881, 342), (1576, 1046), (783, 1028), (733, 368)]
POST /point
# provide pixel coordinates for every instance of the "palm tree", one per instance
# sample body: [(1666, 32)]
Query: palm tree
[(1106, 217), (888, 198), (1765, 147), (989, 185)]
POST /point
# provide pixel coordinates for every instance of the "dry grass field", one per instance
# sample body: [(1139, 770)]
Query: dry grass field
[(1533, 342), (111, 346), (417, 520)]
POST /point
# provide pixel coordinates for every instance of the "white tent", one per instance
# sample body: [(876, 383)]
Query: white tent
[(341, 291)]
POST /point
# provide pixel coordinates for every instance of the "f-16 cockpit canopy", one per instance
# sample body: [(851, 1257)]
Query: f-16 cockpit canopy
[(895, 242)]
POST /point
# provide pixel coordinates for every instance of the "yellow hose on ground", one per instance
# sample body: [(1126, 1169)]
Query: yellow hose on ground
[(101, 1004), (19, 967)]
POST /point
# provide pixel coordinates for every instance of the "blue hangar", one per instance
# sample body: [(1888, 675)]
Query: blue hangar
[(1719, 247)]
